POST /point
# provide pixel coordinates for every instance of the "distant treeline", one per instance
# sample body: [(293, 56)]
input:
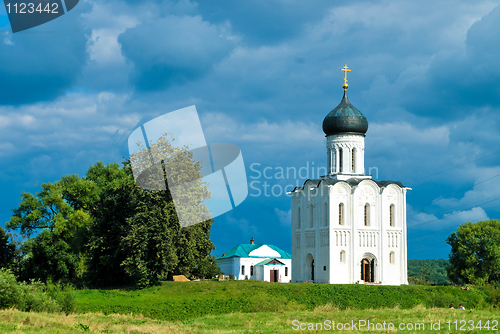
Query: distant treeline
[(431, 271)]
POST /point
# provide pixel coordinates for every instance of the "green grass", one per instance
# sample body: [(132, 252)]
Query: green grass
[(257, 307), (12, 321), (181, 301)]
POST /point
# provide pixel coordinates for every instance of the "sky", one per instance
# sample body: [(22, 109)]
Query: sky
[(263, 75)]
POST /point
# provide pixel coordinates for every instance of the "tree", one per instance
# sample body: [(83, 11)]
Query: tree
[(108, 230), (7, 249), (136, 235), (104, 248), (475, 253), (158, 244), (48, 209), (48, 257), (206, 267)]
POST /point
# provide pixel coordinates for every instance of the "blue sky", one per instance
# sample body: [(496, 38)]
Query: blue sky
[(263, 75)]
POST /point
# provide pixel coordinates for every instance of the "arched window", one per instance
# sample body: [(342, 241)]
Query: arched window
[(341, 214), (367, 215), (353, 154), (298, 219), (342, 256), (243, 270), (391, 215), (392, 257), (341, 161), (286, 271), (251, 270), (311, 225), (326, 214)]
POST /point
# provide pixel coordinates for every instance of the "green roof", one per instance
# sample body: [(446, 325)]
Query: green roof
[(242, 250), (267, 261)]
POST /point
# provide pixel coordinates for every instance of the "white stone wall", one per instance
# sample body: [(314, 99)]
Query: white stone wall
[(326, 239), (347, 143)]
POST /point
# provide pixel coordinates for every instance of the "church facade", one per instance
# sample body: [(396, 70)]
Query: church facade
[(346, 227)]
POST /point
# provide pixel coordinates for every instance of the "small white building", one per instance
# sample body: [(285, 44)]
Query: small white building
[(257, 261), (347, 227)]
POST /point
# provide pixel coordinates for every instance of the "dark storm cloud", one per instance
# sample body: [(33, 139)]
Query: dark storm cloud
[(173, 50), (265, 22), (458, 84), (41, 63)]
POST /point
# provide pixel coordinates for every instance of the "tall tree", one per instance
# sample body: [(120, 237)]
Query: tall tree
[(48, 257), (475, 253), (7, 249), (48, 209)]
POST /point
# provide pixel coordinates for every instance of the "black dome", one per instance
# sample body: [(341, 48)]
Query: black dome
[(345, 118)]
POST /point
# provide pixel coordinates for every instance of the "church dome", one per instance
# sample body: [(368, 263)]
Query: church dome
[(345, 118)]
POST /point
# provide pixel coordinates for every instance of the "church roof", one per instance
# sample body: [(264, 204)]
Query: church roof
[(256, 251), (269, 261), (352, 182), (345, 118)]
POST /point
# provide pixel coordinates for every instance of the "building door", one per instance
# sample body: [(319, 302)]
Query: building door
[(367, 270), (273, 276)]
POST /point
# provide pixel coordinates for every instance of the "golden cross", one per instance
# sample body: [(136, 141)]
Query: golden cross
[(345, 69)]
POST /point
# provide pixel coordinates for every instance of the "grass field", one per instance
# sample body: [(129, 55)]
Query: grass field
[(12, 321), (260, 307), (187, 300)]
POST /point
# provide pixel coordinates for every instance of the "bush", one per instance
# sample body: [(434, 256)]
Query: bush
[(10, 291), (34, 296)]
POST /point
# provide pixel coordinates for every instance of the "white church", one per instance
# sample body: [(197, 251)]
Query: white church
[(346, 227)]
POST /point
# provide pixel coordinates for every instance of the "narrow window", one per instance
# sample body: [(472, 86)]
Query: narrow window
[(367, 214), (298, 219), (286, 271), (391, 215), (326, 214), (312, 208), (391, 257), (352, 160), (341, 214), (251, 270), (324, 268), (341, 163), (342, 256), (243, 270)]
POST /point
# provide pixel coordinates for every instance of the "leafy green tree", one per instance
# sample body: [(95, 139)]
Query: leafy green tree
[(475, 253), (206, 267), (48, 258), (115, 203), (48, 209), (158, 245), (7, 249), (104, 228)]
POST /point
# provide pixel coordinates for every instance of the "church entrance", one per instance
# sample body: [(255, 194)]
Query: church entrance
[(273, 276), (312, 270), (368, 270)]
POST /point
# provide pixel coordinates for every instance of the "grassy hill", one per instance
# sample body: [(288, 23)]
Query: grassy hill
[(260, 307), (187, 300)]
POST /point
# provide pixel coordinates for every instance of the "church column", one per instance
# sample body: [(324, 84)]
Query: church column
[(328, 160), (361, 161), (333, 159), (404, 258), (337, 159)]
